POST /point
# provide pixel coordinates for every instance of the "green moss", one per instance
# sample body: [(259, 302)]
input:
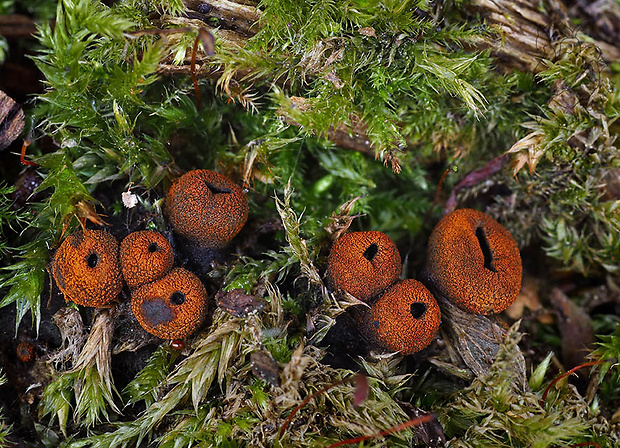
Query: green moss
[(401, 74), (572, 158), (5, 430), (146, 386), (497, 410)]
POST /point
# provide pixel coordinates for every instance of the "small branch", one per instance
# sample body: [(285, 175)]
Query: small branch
[(237, 16), (289, 419), (409, 423), (564, 375), (527, 35), (17, 26)]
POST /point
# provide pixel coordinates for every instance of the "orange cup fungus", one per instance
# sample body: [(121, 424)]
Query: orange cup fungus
[(404, 319), (473, 261), (172, 307), (87, 269), (25, 351), (145, 256), (363, 263), (206, 208)]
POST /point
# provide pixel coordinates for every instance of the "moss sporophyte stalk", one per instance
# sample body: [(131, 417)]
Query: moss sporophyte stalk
[(228, 227)]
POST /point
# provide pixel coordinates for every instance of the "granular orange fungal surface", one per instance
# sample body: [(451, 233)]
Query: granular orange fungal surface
[(206, 208), (25, 351), (404, 319), (473, 261), (145, 256), (87, 270), (363, 263), (172, 307)]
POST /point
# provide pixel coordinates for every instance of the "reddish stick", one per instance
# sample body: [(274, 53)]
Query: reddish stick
[(193, 72), (564, 375), (310, 397), (437, 192), (305, 402), (22, 156), (413, 422)]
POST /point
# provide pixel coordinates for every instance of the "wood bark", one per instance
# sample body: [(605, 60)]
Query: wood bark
[(522, 36)]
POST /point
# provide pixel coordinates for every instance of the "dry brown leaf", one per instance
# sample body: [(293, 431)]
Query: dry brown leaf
[(238, 303), (575, 327), (476, 339), (527, 298), (265, 367)]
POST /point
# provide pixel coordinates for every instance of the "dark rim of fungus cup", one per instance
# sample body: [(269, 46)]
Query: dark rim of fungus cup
[(473, 261)]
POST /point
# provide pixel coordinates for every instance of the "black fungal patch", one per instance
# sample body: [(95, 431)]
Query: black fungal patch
[(371, 251), (486, 249), (92, 260), (217, 190), (177, 298), (156, 312), (418, 310)]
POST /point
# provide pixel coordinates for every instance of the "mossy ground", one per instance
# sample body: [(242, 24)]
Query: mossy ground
[(333, 115)]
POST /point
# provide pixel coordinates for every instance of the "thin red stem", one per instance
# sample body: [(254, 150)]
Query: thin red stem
[(193, 72), (437, 192), (22, 156), (439, 185), (413, 422), (289, 419), (305, 402), (564, 375)]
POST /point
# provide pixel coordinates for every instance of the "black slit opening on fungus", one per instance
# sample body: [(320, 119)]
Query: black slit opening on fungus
[(153, 247), (217, 190), (418, 310), (371, 251), (486, 249), (177, 298), (92, 260)]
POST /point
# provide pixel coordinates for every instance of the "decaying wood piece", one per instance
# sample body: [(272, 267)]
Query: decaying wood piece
[(11, 120), (522, 36), (476, 339), (17, 26), (527, 35), (239, 17)]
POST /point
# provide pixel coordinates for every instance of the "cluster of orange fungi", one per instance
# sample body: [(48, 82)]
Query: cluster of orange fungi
[(472, 260), (90, 267)]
